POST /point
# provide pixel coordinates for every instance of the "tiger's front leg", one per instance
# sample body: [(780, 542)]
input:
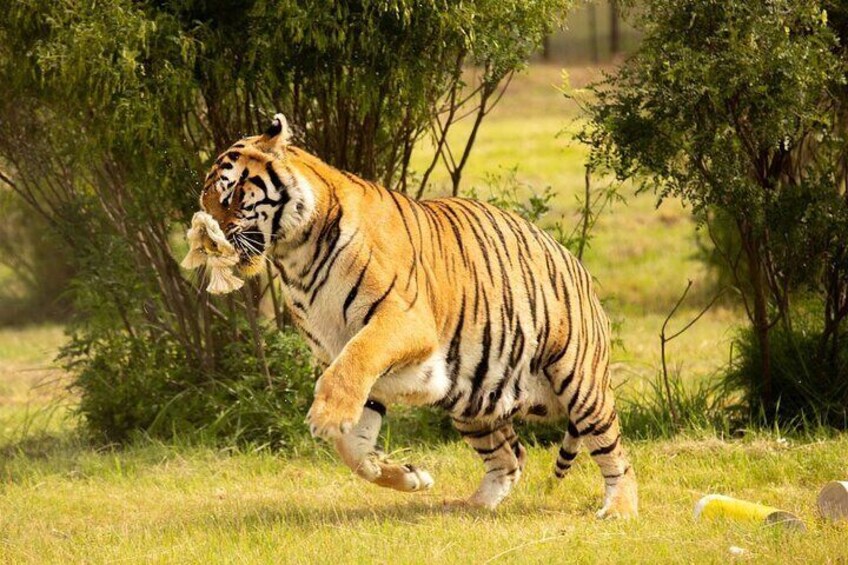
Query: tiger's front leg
[(358, 449), (391, 338)]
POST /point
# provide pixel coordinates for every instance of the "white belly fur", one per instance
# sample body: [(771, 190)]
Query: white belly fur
[(428, 382), (424, 383)]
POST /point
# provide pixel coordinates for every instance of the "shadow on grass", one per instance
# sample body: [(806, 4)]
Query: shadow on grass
[(37, 454), (295, 514)]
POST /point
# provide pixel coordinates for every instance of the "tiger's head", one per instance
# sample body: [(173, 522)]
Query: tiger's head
[(257, 199)]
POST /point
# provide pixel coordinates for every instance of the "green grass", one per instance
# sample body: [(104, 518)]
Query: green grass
[(62, 500), (182, 504), (32, 388)]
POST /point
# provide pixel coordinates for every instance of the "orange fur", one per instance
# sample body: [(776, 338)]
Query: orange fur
[(448, 301)]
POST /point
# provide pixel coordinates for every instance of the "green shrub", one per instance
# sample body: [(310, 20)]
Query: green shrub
[(812, 380), (132, 386), (737, 108), (706, 405)]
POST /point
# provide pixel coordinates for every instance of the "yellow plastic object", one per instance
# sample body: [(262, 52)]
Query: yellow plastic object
[(833, 501), (717, 507)]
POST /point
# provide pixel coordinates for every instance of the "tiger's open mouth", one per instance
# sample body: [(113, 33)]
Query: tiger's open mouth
[(250, 246)]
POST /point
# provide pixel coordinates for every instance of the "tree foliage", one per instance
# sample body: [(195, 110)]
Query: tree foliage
[(741, 110), (110, 112)]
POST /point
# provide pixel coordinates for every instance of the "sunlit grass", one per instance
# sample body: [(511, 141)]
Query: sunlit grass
[(184, 504), (31, 385)]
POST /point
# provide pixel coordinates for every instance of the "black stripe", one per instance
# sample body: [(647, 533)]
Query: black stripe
[(497, 392), (538, 410), (332, 262), (329, 235), (272, 174), (471, 218), (311, 337), (481, 371), (476, 434), (603, 428), (589, 410), (489, 451), (377, 407), (377, 303), (414, 266), (566, 455), (315, 172), (351, 296), (564, 384), (257, 180), (452, 219), (606, 449)]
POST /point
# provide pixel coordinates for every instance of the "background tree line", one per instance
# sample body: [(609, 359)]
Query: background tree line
[(740, 109), (110, 113)]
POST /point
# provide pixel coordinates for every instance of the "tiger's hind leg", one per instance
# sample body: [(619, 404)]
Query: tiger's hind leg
[(568, 451), (602, 437), (358, 449), (503, 457), (594, 422)]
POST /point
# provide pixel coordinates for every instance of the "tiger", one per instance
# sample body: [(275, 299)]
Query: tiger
[(448, 302)]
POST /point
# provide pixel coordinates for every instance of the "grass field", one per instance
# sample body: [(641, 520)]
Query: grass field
[(167, 504), (62, 500)]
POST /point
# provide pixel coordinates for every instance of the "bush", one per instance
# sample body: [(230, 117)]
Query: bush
[(813, 383), (738, 109), (119, 396), (704, 405)]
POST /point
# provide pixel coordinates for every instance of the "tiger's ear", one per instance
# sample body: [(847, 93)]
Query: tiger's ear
[(278, 135)]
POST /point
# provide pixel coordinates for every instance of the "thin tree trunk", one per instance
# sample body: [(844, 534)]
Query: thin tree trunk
[(615, 32), (760, 321), (593, 32)]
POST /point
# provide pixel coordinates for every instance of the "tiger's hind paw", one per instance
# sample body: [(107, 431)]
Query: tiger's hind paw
[(621, 501)]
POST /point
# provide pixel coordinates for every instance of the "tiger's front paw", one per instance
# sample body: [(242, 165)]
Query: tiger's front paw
[(333, 415)]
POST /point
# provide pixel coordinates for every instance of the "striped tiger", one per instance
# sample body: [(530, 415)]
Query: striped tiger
[(447, 302)]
